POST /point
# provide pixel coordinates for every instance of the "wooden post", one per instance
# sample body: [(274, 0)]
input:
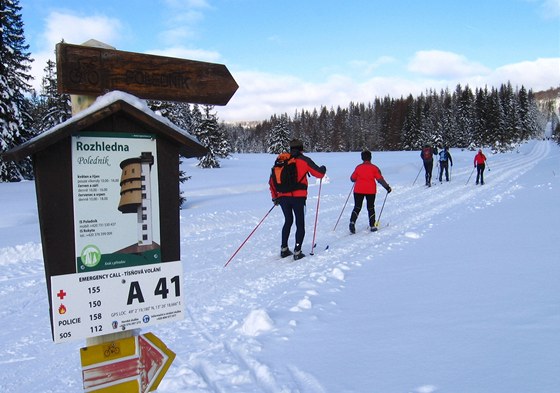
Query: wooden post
[(81, 102)]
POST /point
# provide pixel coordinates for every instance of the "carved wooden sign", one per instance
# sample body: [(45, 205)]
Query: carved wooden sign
[(86, 70)]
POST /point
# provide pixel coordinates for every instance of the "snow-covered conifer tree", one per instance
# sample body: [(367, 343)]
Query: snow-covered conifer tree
[(278, 139), (14, 83), (54, 108), (212, 136)]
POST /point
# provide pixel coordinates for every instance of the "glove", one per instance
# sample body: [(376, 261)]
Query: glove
[(389, 189), (275, 201), (323, 169)]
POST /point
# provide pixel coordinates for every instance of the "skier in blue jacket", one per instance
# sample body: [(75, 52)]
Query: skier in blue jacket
[(445, 160)]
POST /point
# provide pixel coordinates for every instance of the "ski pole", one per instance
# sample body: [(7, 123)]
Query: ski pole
[(344, 207), (470, 176), (421, 166), (316, 216), (381, 211), (251, 234)]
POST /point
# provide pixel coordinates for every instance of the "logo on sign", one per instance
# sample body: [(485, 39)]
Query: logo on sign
[(90, 256)]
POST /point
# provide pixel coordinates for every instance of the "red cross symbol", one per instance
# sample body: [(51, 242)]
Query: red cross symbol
[(61, 294)]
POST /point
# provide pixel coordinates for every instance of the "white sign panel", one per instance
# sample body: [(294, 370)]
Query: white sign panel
[(103, 302)]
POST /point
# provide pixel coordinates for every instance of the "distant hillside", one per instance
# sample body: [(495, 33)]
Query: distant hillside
[(548, 102), (550, 94)]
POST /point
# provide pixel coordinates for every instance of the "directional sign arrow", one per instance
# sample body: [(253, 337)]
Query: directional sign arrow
[(94, 71), (133, 364), (155, 360)]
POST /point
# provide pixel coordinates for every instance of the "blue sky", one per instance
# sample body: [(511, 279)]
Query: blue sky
[(288, 55)]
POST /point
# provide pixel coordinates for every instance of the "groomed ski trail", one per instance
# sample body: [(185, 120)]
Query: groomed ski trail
[(411, 211)]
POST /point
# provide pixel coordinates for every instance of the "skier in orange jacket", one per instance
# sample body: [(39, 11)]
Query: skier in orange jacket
[(293, 202)]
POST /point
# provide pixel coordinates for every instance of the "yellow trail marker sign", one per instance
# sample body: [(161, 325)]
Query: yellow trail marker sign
[(133, 364)]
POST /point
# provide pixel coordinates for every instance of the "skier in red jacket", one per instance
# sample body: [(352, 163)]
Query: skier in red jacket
[(365, 176), (480, 164)]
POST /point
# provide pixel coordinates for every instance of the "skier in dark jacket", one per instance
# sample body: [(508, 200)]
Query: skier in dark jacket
[(445, 160), (293, 203), (365, 176), (427, 155)]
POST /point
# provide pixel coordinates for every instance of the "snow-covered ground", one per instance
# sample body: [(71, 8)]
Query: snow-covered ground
[(457, 292)]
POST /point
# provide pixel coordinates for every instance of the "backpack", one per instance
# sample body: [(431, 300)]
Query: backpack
[(443, 155), (427, 153), (284, 174)]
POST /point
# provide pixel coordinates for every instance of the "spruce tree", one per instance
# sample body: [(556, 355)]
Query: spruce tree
[(278, 139), (15, 63), (54, 108), (464, 116), (178, 113), (212, 136)]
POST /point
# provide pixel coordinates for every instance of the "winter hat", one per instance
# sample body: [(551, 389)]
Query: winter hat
[(366, 155), (296, 144)]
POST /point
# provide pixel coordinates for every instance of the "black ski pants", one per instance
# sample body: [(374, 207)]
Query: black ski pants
[(444, 166), (428, 167), (370, 204), (293, 207), (480, 173)]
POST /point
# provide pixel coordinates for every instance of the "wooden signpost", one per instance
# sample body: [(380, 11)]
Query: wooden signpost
[(107, 184), (93, 71)]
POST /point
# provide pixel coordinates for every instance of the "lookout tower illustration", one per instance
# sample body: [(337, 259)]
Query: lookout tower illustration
[(136, 197)]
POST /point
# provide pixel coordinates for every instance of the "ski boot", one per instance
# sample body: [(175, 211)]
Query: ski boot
[(285, 252)]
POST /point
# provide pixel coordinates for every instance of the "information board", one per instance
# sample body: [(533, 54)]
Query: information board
[(103, 302), (116, 203), (120, 282)]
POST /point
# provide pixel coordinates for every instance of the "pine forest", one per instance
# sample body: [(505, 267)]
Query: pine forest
[(495, 118)]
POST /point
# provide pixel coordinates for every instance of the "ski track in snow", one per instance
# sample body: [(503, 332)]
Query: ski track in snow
[(214, 354), (238, 288)]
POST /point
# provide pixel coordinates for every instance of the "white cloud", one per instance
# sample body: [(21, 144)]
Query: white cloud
[(547, 9), (183, 17), (442, 64), (550, 9), (540, 74), (367, 68), (78, 29), (72, 29), (260, 95)]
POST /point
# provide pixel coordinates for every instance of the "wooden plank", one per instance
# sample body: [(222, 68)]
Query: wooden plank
[(93, 71)]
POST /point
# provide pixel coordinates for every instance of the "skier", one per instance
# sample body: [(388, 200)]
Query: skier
[(445, 160), (293, 202), (365, 176), (480, 164), (427, 155)]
